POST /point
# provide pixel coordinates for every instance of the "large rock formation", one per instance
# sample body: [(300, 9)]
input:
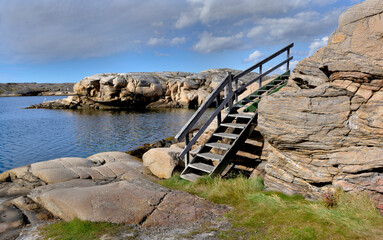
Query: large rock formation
[(109, 186), (140, 90), (325, 128)]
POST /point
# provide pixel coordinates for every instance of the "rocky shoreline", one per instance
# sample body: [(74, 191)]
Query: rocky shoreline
[(143, 90), (36, 89)]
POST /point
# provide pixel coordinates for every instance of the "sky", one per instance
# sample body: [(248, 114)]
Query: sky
[(48, 41)]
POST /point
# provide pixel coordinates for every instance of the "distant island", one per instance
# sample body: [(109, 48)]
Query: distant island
[(35, 89)]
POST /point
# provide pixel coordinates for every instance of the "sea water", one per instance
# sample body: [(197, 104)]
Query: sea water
[(34, 135)]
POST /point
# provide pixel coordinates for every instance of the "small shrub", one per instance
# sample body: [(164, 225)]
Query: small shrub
[(330, 199)]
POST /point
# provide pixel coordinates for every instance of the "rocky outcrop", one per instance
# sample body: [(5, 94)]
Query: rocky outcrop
[(140, 90), (324, 129), (111, 186)]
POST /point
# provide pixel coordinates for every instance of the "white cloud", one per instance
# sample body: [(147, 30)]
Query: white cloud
[(209, 43), (255, 31), (302, 26), (166, 42), (316, 44), (156, 41), (253, 57), (178, 40), (210, 11), (187, 18), (45, 30)]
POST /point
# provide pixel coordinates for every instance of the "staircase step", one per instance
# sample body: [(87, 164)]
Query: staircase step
[(210, 156), (234, 125), (277, 81), (238, 105), (192, 177), (245, 100), (202, 167), (222, 146), (261, 90), (249, 116), (226, 135)]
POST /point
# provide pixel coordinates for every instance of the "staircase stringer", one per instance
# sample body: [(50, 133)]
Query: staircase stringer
[(235, 146)]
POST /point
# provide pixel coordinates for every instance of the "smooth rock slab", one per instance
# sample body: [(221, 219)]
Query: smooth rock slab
[(106, 157), (119, 202), (180, 207)]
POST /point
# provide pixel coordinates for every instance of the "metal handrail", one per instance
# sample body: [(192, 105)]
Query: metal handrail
[(230, 96), (201, 110)]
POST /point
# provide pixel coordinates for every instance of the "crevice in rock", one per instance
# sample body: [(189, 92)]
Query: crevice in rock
[(321, 184), (326, 71), (154, 208), (99, 172), (371, 170), (59, 162), (364, 17), (8, 179), (112, 171), (303, 84), (25, 217), (69, 163)]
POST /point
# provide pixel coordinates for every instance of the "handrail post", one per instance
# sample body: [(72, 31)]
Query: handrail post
[(260, 79), (288, 62), (187, 154), (230, 91), (218, 102), (236, 87)]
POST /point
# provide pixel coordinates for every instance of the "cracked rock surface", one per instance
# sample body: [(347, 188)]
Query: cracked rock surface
[(324, 129), (110, 186)]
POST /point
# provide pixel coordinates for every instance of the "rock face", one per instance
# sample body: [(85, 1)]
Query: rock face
[(327, 128), (140, 90)]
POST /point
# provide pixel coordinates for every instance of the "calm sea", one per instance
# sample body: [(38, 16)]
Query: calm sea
[(34, 135)]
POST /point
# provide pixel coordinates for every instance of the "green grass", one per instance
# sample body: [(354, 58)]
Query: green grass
[(271, 215), (79, 230)]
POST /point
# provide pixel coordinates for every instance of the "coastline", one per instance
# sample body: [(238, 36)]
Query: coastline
[(44, 94)]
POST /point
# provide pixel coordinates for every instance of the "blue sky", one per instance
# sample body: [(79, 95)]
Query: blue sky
[(67, 40)]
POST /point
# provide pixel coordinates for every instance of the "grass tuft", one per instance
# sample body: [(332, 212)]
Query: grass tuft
[(79, 230), (270, 215)]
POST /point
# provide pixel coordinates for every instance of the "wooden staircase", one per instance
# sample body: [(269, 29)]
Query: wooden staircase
[(215, 155), (235, 128)]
